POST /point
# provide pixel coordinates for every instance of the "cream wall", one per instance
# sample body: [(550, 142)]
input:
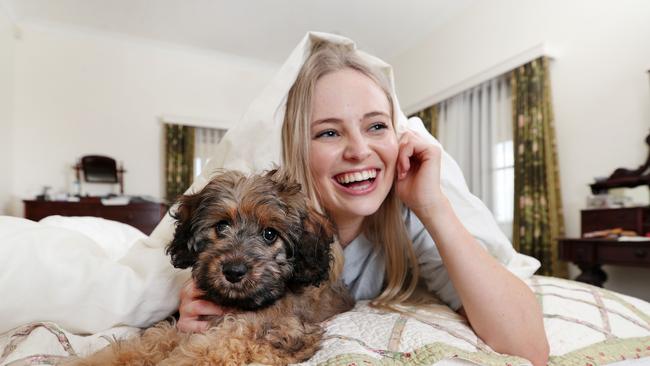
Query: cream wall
[(601, 90), (6, 106), (79, 92)]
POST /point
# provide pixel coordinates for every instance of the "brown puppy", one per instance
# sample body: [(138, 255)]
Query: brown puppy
[(256, 246)]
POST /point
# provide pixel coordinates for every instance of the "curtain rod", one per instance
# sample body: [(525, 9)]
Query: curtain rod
[(502, 67), (196, 122)]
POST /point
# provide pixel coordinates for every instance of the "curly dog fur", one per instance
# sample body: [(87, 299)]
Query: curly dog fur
[(255, 245)]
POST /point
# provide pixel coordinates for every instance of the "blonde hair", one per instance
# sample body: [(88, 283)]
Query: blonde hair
[(386, 226)]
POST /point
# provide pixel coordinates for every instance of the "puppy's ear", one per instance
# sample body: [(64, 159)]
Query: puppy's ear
[(312, 253), (287, 188), (180, 248)]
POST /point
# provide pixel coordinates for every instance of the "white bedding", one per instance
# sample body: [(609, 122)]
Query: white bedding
[(65, 271), (585, 325), (114, 238)]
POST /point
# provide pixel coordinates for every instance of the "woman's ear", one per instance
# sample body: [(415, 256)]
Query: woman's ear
[(181, 248), (312, 253)]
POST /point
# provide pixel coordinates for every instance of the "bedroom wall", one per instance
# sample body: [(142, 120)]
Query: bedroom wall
[(7, 53), (82, 92), (601, 90)]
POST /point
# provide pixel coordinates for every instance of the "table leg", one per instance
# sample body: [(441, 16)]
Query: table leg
[(592, 274)]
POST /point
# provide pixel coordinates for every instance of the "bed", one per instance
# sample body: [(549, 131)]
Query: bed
[(585, 325)]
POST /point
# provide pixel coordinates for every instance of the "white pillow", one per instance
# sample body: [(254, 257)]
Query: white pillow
[(115, 238)]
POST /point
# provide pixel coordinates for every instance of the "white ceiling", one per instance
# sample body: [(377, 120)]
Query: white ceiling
[(262, 29)]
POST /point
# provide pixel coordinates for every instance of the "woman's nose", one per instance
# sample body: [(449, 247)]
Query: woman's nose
[(356, 148)]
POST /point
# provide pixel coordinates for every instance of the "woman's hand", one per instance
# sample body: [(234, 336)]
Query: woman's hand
[(193, 310), (418, 173)]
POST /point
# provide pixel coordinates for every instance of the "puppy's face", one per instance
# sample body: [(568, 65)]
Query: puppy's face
[(249, 239)]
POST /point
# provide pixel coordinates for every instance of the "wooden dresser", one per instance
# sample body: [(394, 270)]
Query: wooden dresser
[(590, 254), (141, 215)]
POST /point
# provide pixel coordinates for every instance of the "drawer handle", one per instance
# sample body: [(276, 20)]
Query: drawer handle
[(640, 253)]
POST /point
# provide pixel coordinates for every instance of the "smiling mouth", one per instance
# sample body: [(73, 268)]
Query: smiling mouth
[(357, 180)]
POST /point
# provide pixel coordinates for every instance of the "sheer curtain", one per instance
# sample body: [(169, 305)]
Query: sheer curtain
[(205, 143), (475, 127)]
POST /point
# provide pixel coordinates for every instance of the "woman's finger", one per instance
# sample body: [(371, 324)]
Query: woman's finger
[(404, 157), (198, 308), (192, 325)]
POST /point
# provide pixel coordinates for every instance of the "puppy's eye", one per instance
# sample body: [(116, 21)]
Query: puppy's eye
[(269, 234), (222, 226)]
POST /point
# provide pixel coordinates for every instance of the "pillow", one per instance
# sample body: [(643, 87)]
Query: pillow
[(115, 238)]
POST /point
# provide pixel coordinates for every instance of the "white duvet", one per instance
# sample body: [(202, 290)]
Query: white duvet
[(70, 270)]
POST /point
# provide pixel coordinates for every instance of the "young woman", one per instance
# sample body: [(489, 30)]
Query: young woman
[(382, 188)]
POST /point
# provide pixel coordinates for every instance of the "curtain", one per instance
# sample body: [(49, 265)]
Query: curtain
[(179, 160), (538, 220), (473, 126), (205, 146), (429, 117)]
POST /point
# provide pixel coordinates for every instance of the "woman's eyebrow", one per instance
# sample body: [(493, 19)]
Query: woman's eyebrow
[(337, 120), (375, 114), (326, 120)]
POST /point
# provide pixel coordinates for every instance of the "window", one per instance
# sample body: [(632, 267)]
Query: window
[(206, 141), (504, 185)]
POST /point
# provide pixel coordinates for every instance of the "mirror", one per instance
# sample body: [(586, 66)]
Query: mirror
[(99, 169)]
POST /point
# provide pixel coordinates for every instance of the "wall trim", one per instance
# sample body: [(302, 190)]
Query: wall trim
[(541, 49)]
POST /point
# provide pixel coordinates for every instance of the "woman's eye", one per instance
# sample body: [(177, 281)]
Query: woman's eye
[(221, 227), (378, 126), (270, 235), (327, 133)]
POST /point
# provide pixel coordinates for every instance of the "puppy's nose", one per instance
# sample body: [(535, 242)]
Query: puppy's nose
[(234, 271)]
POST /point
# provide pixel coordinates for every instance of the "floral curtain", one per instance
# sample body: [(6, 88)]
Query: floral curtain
[(538, 219), (179, 160), (429, 117)]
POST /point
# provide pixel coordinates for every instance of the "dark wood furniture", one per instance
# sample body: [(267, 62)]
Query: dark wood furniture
[(590, 254), (623, 177), (141, 215), (636, 219)]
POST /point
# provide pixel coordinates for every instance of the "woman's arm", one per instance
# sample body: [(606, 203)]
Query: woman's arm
[(502, 310)]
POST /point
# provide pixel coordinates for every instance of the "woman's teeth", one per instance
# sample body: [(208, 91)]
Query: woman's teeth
[(348, 178)]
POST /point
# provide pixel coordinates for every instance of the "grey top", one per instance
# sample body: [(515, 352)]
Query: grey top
[(364, 268)]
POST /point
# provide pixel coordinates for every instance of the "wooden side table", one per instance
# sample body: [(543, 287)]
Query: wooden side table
[(590, 254)]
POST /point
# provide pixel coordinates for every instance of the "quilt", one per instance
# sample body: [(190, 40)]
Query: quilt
[(585, 325)]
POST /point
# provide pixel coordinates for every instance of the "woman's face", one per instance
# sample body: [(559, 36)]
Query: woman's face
[(353, 144)]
